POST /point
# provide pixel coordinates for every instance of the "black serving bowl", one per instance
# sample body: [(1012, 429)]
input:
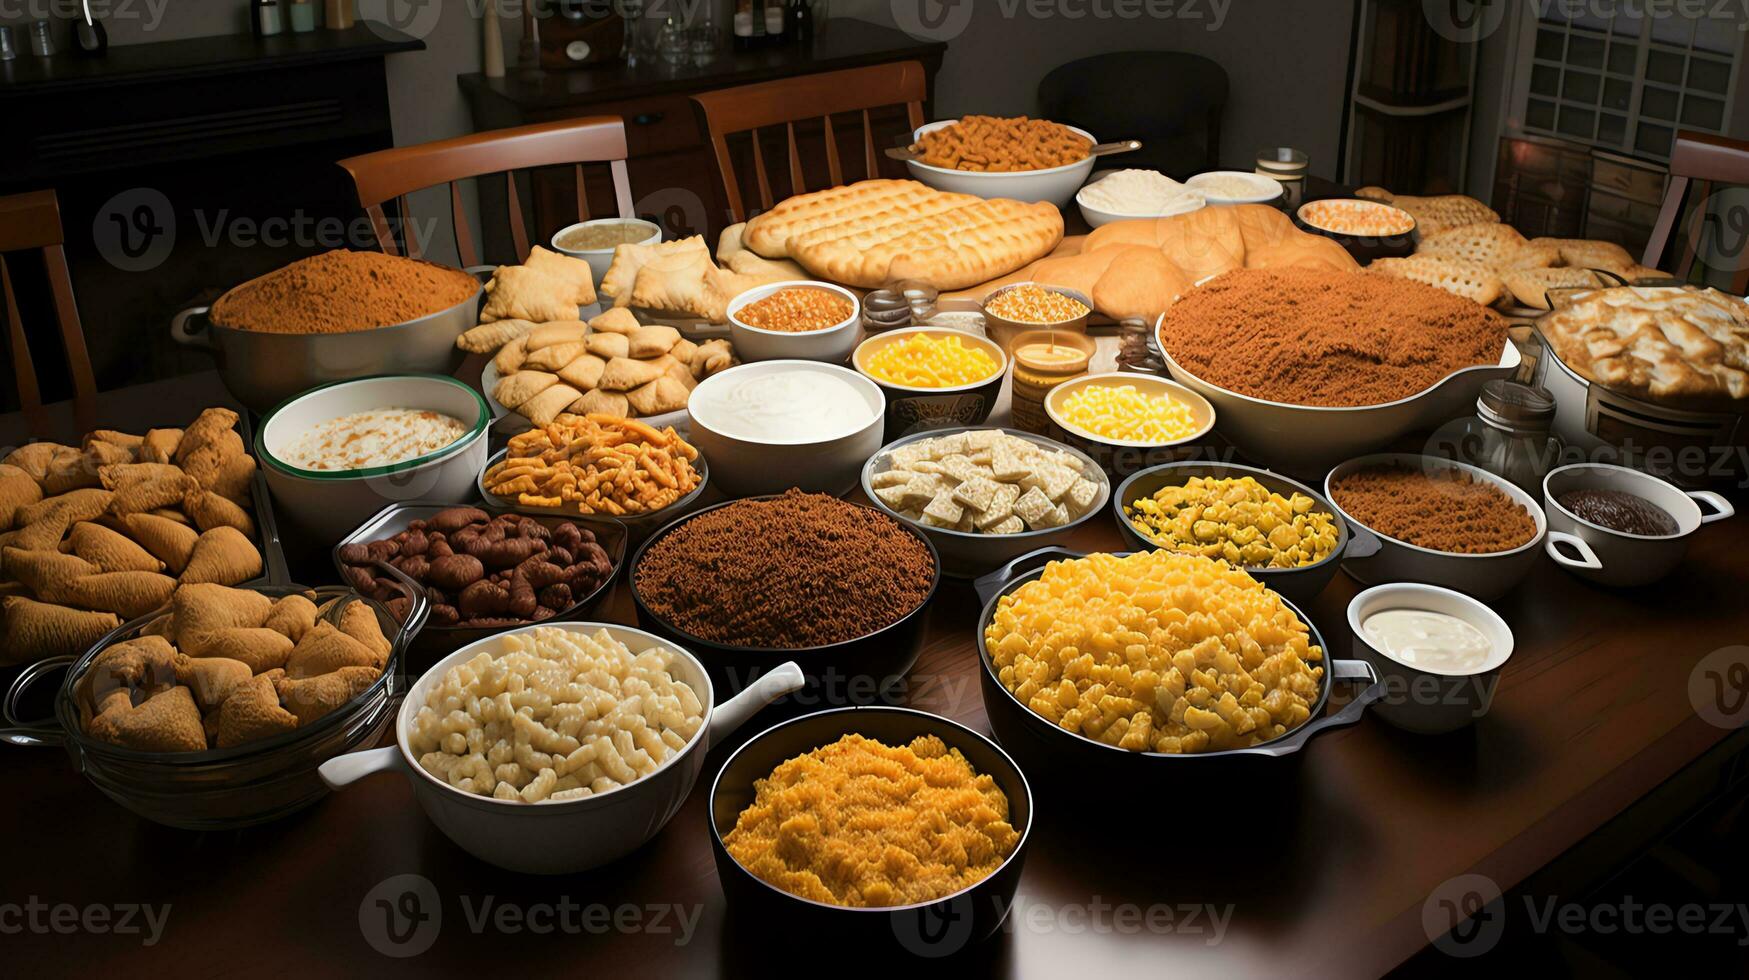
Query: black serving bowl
[(435, 642), (928, 930), (1294, 584), (856, 671), (1365, 248), (912, 409), (1047, 748)]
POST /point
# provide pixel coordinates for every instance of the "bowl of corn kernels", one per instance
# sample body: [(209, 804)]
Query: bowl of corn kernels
[(795, 320), (1127, 421), (1022, 306), (932, 377), (1280, 531)]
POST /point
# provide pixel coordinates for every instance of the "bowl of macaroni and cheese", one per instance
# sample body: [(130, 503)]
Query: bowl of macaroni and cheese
[(337, 454), (1021, 159), (558, 747), (932, 377), (1088, 666)]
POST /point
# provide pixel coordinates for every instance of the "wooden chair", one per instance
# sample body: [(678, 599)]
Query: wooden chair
[(746, 108), (32, 221), (1172, 101), (393, 174), (1702, 160)]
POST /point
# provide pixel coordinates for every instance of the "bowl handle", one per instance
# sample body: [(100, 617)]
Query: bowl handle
[(989, 585), (1340, 670), (1362, 543), (179, 332), (1721, 507), (344, 770), (770, 686), (417, 612), (31, 733), (1587, 558)]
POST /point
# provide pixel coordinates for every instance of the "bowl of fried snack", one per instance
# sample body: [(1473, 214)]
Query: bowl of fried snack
[(1284, 533), (214, 711), (1026, 160), (1085, 671), (598, 466), (808, 816), (801, 319)]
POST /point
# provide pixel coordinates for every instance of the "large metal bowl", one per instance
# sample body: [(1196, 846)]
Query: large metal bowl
[(262, 369)]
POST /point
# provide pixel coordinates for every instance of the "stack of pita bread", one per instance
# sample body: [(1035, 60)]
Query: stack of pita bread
[(1488, 261), (1138, 268)]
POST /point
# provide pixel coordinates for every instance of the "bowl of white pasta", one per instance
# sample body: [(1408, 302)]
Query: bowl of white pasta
[(620, 723)]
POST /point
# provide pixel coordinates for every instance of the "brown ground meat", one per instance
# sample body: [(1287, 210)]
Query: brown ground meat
[(800, 570), (1443, 509), (340, 292), (1315, 337)]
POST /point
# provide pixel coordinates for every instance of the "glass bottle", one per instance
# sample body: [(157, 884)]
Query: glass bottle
[(1510, 435)]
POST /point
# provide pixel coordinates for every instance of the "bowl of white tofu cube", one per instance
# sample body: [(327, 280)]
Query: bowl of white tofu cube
[(983, 495)]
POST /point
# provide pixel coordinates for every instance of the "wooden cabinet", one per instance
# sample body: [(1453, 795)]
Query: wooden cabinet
[(673, 177)]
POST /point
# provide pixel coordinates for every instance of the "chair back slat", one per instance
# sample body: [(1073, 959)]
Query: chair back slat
[(390, 175), (32, 221), (582, 194), (408, 232), (833, 170), (1698, 163), (464, 233), (747, 108)]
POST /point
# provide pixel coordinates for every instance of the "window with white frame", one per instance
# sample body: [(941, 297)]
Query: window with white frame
[(1626, 75)]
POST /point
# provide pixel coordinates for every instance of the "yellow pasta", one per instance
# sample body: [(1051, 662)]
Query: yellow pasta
[(1123, 413), (930, 361), (1157, 652)]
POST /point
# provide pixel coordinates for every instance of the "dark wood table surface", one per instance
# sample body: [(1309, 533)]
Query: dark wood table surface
[(1324, 871)]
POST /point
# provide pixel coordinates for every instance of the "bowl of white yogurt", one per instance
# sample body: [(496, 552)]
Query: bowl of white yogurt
[(772, 425), (1438, 654), (1122, 195), (337, 454)]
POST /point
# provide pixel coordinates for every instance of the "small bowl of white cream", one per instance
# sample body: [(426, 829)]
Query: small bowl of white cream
[(772, 425), (1437, 652), (1120, 195)]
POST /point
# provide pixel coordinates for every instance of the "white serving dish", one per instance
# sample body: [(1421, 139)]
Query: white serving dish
[(600, 258), (571, 835), (1486, 577), (1614, 557), (833, 344), (1430, 702), (329, 504), (1308, 438), (744, 467), (1055, 184), (1095, 217), (1267, 188)]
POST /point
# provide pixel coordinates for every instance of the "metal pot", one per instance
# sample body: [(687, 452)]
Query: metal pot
[(262, 369)]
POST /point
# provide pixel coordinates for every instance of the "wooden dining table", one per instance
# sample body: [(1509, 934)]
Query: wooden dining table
[(1348, 859)]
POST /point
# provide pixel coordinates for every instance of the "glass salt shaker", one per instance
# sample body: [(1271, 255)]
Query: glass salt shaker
[(1510, 435)]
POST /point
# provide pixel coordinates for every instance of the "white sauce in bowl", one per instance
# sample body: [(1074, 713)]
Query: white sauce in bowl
[(380, 437), (801, 405), (1430, 641)]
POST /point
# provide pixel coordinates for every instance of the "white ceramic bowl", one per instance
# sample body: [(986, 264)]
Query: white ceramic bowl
[(1417, 699), (330, 503), (1095, 217), (1305, 439), (1125, 458), (1055, 184), (600, 258), (1266, 188), (570, 835), (744, 467), (1486, 577), (1614, 557), (832, 344)]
